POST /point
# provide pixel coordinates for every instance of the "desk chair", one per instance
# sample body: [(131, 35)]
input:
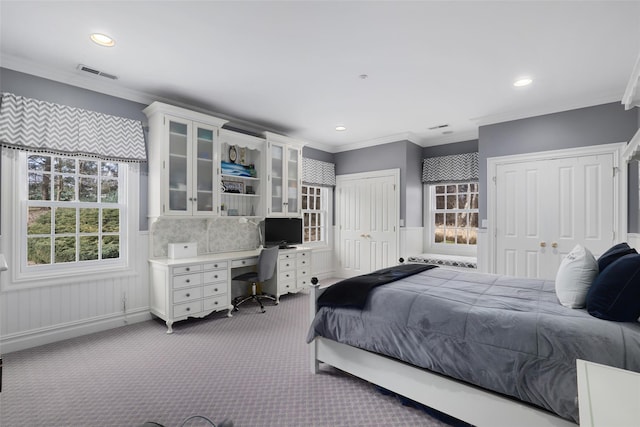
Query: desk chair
[(267, 261)]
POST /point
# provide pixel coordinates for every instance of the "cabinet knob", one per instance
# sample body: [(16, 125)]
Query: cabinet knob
[(187, 269), (215, 290), (215, 277), (188, 309), (188, 295), (215, 265), (215, 303), (188, 280), (304, 262)]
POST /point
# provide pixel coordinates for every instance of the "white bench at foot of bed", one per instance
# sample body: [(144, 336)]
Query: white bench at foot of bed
[(460, 400)]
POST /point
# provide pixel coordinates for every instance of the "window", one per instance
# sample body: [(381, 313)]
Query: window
[(73, 212), (454, 214), (314, 212)]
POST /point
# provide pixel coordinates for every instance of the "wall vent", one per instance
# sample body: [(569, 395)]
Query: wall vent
[(438, 127), (93, 71)]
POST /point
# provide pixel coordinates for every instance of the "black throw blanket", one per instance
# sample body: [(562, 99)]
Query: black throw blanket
[(353, 292)]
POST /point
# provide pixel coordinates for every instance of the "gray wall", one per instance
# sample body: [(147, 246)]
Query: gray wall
[(601, 124), (60, 93), (315, 154), (464, 147), (403, 155)]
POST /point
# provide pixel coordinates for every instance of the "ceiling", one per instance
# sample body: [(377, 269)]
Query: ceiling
[(297, 67)]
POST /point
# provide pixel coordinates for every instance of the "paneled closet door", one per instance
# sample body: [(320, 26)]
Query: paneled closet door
[(367, 210), (545, 207)]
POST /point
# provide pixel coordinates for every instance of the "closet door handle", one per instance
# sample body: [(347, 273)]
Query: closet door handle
[(543, 244), (554, 245)]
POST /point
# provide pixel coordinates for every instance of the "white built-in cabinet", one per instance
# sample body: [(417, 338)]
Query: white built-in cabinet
[(242, 166), (284, 175), (183, 161)]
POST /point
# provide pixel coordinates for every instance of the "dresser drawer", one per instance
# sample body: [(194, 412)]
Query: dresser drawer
[(185, 269), (216, 303), (187, 309), (302, 262), (215, 276), (288, 286), (291, 255), (287, 264), (303, 272), (187, 280), (304, 282), (187, 294), (244, 262), (217, 289), (286, 275), (216, 265)]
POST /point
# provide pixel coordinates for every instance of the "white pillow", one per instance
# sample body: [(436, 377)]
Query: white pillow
[(575, 275)]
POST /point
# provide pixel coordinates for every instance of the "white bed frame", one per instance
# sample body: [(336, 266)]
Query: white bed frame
[(468, 403)]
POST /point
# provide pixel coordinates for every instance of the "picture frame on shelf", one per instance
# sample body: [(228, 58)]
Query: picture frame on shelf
[(236, 187)]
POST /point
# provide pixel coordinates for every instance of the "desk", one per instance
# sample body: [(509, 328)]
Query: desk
[(199, 286)]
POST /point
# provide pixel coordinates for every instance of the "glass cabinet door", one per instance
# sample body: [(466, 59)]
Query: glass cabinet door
[(179, 150), (292, 180), (277, 170), (204, 169)]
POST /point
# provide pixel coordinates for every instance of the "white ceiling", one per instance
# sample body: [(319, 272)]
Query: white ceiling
[(294, 67)]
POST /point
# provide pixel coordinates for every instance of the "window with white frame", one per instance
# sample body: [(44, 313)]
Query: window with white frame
[(454, 215), (315, 204), (73, 212)]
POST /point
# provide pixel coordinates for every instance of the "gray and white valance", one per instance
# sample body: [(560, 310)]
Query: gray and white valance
[(453, 168), (317, 172), (30, 124)]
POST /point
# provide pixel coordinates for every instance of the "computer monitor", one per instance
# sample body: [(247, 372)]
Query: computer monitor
[(282, 231)]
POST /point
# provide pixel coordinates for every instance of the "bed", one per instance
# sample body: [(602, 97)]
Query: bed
[(486, 349)]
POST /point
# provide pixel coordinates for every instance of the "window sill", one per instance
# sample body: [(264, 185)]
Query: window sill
[(44, 279)]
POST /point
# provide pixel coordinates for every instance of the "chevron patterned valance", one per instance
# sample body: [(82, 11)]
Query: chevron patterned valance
[(30, 124), (454, 168), (318, 173)]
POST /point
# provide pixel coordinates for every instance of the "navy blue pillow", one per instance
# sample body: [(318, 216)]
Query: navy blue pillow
[(615, 252), (615, 293)]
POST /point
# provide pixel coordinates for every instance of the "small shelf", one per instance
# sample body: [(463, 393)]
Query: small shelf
[(179, 156), (244, 178), (240, 195)]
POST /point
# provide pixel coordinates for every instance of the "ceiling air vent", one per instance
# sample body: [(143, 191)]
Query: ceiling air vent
[(96, 72)]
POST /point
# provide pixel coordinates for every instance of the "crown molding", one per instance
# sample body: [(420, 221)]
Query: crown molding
[(452, 138), (541, 111), (404, 136)]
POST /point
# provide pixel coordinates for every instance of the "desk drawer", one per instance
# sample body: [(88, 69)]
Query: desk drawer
[(287, 286), (302, 262), (287, 264), (187, 280), (244, 262), (215, 276), (304, 282), (286, 275), (216, 265), (217, 289), (187, 294), (185, 269), (216, 303), (188, 309)]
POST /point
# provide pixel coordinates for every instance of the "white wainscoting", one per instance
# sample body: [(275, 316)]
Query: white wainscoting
[(322, 262), (483, 251), (633, 239), (41, 315), (411, 241)]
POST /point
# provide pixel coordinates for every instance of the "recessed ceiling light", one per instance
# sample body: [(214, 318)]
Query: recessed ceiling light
[(524, 81), (340, 128), (102, 39)]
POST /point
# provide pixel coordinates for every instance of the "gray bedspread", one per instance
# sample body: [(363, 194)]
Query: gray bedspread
[(505, 334)]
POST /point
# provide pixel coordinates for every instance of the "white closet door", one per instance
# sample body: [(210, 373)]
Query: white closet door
[(367, 211), (546, 207)]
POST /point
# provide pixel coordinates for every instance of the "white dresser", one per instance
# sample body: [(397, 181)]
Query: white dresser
[(188, 288), (293, 271)]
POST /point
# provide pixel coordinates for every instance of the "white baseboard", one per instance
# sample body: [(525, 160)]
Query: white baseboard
[(38, 337)]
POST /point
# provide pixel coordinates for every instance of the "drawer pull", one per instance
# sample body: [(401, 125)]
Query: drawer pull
[(187, 269), (188, 309), (188, 280), (215, 277), (215, 265), (188, 295), (287, 286), (215, 290), (215, 303), (244, 262), (304, 262)]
